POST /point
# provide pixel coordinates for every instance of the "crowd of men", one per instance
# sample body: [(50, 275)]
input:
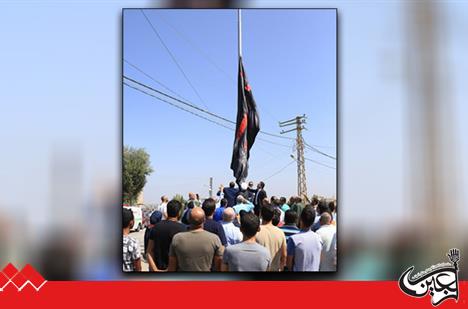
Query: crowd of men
[(241, 230)]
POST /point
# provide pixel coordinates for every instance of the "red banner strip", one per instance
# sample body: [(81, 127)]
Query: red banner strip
[(220, 294)]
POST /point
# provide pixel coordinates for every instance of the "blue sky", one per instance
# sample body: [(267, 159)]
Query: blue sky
[(61, 89), (62, 86), (290, 60)]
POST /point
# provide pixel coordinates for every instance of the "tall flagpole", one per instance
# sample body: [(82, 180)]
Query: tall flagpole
[(239, 31)]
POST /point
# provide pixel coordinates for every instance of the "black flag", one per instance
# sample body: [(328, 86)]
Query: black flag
[(247, 127)]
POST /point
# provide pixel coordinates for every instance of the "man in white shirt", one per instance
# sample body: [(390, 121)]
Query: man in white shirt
[(232, 232), (327, 233), (163, 206)]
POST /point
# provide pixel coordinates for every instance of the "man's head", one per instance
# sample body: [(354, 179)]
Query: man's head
[(173, 209), (325, 219), (190, 205), (276, 217), (127, 218), (282, 200), (290, 217), (229, 214), (322, 207), (261, 185), (240, 199), (250, 225), (251, 184), (209, 206), (276, 201), (192, 196), (242, 212), (164, 199), (267, 212), (298, 199), (232, 184), (155, 217), (223, 202), (197, 217), (315, 201), (331, 206), (307, 217)]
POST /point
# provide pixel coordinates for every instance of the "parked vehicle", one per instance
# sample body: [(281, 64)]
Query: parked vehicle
[(138, 215)]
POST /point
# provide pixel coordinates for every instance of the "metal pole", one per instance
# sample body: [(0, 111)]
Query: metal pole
[(301, 174), (211, 187), (299, 156), (239, 31)]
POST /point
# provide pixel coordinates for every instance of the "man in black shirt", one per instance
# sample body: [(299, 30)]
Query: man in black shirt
[(161, 237), (251, 192), (210, 225), (261, 194)]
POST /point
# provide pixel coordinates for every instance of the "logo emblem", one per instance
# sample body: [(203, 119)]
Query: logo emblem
[(440, 281), (20, 279)]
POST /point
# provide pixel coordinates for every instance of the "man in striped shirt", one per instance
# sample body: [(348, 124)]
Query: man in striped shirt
[(290, 228)]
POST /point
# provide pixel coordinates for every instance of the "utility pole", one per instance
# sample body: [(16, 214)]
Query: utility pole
[(210, 192), (299, 122)]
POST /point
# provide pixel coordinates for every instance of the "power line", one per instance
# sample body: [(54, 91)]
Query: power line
[(189, 111), (179, 107), (276, 135), (199, 96), (274, 143), (323, 146), (224, 126), (153, 79), (186, 101), (319, 151), (282, 169), (201, 109), (198, 49), (314, 161), (178, 100), (320, 163), (209, 59), (173, 58)]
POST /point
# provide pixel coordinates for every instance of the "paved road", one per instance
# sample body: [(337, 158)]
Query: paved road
[(140, 237)]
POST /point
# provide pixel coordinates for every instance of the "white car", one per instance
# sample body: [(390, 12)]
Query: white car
[(138, 218)]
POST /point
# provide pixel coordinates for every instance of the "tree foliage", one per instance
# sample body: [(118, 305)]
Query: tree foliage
[(136, 166), (180, 198)]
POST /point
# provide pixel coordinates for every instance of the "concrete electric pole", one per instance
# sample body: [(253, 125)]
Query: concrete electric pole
[(299, 122), (210, 192)]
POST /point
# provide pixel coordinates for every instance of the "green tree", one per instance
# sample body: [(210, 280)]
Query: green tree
[(180, 198), (136, 166)]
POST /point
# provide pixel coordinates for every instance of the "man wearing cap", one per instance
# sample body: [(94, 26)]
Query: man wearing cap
[(155, 217)]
